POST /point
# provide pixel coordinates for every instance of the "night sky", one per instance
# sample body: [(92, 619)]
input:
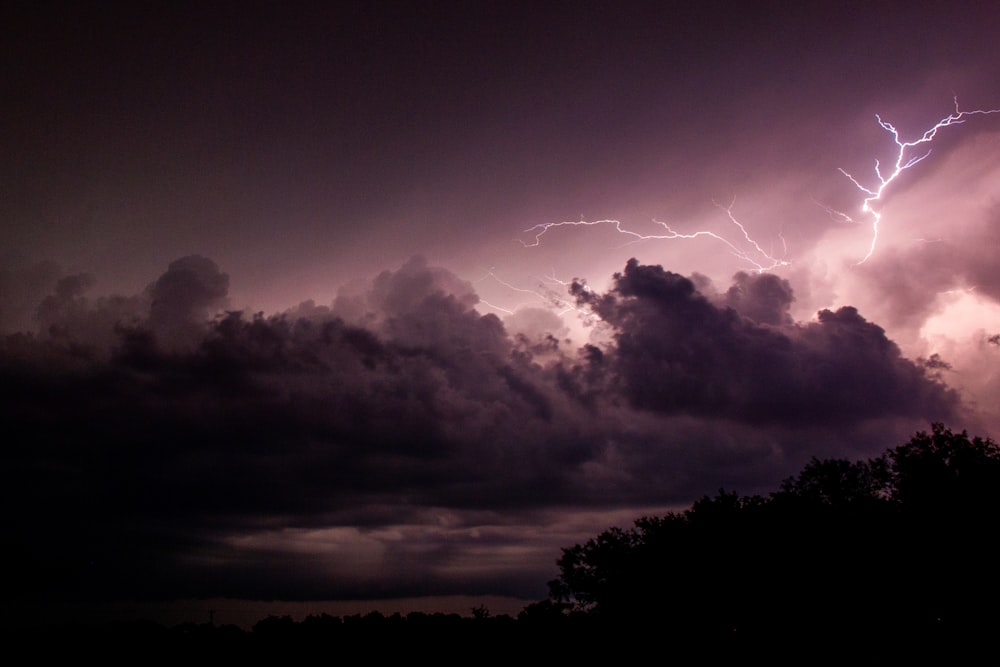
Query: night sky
[(278, 321)]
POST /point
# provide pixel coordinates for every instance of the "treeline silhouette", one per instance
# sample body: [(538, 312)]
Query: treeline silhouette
[(898, 551), (901, 547)]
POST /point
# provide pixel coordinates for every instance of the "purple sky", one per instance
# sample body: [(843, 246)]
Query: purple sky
[(427, 404)]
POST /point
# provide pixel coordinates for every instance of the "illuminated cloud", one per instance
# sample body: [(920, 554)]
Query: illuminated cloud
[(677, 352)]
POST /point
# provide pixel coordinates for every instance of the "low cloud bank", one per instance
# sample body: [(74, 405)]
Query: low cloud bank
[(397, 442)]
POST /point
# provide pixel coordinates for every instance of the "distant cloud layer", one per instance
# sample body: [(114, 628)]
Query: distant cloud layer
[(397, 441)]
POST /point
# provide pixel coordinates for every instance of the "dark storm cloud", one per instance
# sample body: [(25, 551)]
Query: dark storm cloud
[(307, 454), (70, 316), (268, 419), (677, 352), (763, 298), (184, 297), (175, 309)]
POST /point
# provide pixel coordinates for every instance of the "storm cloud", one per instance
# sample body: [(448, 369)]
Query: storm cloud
[(398, 441), (677, 352)]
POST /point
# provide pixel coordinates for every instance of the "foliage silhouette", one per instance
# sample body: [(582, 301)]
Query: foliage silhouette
[(897, 546)]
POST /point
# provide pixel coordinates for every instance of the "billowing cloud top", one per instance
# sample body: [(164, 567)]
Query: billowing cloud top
[(676, 351)]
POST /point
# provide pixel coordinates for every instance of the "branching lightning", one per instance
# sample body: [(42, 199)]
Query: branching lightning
[(752, 253), (549, 297), (748, 250), (904, 160)]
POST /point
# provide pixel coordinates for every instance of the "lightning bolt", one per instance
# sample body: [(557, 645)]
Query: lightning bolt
[(904, 160), (549, 297), (752, 253)]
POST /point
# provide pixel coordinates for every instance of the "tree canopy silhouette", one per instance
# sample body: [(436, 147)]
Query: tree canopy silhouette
[(900, 543)]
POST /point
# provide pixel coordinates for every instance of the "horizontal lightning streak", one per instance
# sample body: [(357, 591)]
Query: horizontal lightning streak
[(753, 254)]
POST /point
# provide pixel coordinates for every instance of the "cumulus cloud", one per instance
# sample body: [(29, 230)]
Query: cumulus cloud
[(182, 299), (677, 352), (763, 298), (197, 450)]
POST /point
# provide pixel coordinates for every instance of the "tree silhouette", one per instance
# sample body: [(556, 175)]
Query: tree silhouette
[(901, 544)]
